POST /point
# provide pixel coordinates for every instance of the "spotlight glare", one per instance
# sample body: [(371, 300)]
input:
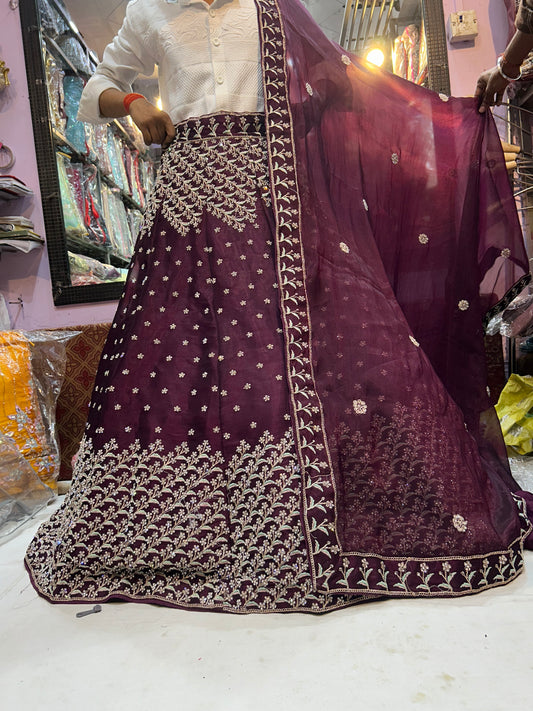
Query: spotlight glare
[(375, 56), (159, 103)]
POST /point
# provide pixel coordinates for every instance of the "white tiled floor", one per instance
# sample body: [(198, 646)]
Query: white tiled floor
[(468, 654)]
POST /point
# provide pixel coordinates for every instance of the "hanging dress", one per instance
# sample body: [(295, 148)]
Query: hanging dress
[(291, 412)]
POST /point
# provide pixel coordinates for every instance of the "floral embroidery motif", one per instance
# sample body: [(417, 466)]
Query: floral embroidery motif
[(403, 566), (463, 305), (460, 523), (423, 238), (346, 59), (184, 190), (414, 341), (189, 528), (506, 253), (344, 247), (310, 436), (360, 407), (444, 97), (365, 204), (395, 158), (309, 89)]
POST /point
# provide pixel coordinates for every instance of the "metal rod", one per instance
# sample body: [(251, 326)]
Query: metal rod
[(344, 28), (366, 32), (382, 7), (387, 21), (361, 21)]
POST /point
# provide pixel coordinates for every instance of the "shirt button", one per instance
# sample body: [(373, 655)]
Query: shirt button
[(212, 13), (220, 80), (216, 42)]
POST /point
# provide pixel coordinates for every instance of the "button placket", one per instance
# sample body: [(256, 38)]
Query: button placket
[(218, 60)]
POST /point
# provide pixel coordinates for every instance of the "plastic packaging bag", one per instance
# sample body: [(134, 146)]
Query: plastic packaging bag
[(56, 99), (85, 270), (94, 220), (52, 22), (74, 225), (516, 320), (75, 130), (22, 493), (32, 368), (74, 51)]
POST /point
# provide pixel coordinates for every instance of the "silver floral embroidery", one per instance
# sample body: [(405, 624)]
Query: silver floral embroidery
[(423, 238), (395, 158), (309, 89), (444, 97), (365, 204), (460, 523), (205, 543), (344, 247), (463, 305), (506, 253), (230, 193), (360, 407), (413, 340), (346, 59)]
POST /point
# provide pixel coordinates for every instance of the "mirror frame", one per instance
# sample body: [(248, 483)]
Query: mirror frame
[(63, 292)]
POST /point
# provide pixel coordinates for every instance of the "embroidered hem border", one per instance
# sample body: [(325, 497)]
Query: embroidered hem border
[(445, 577)]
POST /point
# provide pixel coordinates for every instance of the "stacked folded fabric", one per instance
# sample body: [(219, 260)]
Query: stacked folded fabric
[(17, 232)]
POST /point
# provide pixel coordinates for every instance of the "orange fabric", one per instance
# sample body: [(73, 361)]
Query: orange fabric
[(20, 414)]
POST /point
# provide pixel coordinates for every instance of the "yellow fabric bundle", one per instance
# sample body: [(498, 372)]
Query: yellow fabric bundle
[(20, 413), (515, 410)]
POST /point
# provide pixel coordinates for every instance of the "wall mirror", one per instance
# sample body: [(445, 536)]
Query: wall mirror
[(95, 181)]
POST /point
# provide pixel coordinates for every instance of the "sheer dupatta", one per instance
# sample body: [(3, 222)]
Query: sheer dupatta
[(393, 207)]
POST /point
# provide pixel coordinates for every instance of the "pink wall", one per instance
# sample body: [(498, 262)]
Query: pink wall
[(468, 59), (28, 275)]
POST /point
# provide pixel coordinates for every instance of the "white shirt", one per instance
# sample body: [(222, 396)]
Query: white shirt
[(208, 57)]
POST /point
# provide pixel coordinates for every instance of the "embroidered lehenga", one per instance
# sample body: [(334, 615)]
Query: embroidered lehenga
[(291, 409)]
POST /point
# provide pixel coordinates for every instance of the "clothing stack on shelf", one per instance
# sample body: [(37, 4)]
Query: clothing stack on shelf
[(16, 232), (11, 188), (104, 172)]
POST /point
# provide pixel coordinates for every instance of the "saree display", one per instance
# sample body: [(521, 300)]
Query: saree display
[(291, 409)]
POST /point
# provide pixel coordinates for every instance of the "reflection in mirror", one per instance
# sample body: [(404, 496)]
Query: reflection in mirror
[(94, 179), (406, 37)]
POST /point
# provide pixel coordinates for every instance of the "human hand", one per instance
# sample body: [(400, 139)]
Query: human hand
[(490, 88), (156, 126), (510, 152)]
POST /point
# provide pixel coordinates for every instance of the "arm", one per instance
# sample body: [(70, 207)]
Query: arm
[(492, 84), (156, 126), (128, 55)]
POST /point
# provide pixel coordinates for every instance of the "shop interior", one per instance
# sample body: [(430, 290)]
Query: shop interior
[(72, 198)]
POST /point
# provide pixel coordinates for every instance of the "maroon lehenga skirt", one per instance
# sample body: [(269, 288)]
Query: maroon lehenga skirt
[(186, 490), (189, 487)]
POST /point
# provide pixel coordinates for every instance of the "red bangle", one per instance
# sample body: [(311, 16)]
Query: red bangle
[(129, 99)]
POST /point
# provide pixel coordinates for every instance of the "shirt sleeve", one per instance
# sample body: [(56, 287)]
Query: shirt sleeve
[(524, 17), (124, 59)]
